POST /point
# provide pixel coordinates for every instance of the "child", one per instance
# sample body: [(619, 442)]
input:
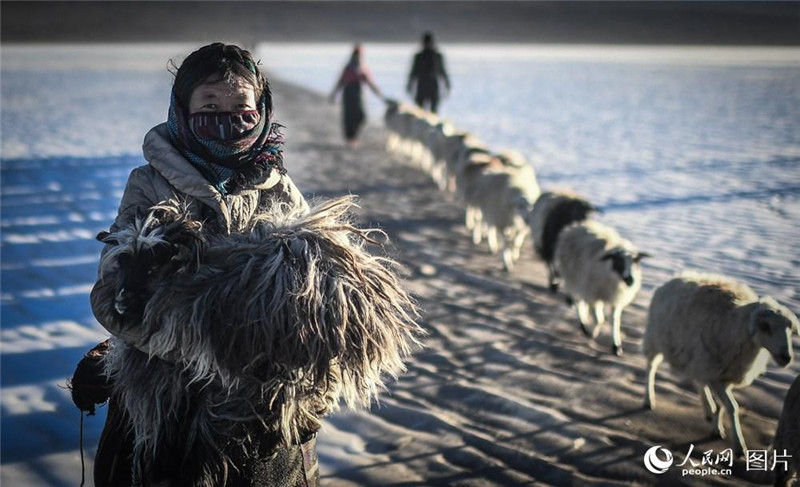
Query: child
[(219, 152)]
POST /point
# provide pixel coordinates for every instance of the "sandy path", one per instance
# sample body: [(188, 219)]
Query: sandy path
[(508, 391)]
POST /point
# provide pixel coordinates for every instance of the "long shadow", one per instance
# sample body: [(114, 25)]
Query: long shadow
[(789, 190), (652, 169), (52, 207), (39, 366)]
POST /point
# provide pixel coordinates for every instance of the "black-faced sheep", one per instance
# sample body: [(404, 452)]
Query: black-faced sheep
[(261, 338), (599, 268), (787, 437), (719, 334), (552, 212)]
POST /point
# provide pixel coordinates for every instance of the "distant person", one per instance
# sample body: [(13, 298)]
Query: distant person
[(426, 71), (355, 74)]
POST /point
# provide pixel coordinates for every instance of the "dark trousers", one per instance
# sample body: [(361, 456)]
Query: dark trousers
[(296, 466)]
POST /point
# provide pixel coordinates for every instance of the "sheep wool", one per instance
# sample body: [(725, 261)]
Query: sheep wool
[(599, 269), (275, 326), (552, 212), (787, 436), (719, 334)]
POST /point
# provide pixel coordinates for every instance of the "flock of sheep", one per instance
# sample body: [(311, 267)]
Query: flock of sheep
[(712, 330)]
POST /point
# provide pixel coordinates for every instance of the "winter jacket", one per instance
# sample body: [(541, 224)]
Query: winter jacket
[(169, 176)]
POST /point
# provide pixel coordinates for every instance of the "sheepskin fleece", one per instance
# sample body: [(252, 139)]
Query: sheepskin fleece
[(274, 327), (543, 245), (578, 252), (700, 323), (787, 436)]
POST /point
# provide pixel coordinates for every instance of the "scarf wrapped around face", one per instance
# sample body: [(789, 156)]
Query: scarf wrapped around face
[(229, 149)]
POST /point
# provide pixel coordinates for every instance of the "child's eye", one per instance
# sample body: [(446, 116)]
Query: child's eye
[(210, 106)]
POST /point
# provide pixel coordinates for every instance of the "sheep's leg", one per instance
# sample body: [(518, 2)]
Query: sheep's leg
[(732, 408), (599, 318), (469, 220), (451, 183), (650, 398), (519, 239), (477, 225), (583, 317), (616, 331), (492, 239), (553, 276), (508, 260), (709, 404)]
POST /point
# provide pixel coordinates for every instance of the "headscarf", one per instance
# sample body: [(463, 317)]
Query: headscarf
[(232, 161)]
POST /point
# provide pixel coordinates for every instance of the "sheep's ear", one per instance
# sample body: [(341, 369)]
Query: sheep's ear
[(751, 326), (759, 315), (595, 209), (641, 255), (611, 254)]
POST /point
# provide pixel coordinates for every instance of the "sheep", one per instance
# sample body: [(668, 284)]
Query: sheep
[(503, 196), (598, 268), (719, 334), (391, 118), (787, 436), (399, 118), (441, 147), (477, 163), (466, 149), (266, 334), (551, 213), (420, 129)]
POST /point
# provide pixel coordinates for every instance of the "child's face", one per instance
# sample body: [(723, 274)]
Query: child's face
[(217, 95)]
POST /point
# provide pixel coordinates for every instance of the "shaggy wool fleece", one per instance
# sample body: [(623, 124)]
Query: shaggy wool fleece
[(262, 333)]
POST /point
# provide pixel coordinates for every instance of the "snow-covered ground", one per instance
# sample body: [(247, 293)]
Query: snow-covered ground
[(694, 154)]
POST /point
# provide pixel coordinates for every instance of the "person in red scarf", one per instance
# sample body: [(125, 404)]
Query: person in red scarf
[(355, 74)]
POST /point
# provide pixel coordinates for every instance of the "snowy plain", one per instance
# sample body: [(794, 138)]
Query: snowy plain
[(694, 155)]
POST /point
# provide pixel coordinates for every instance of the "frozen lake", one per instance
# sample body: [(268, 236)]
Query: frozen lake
[(694, 154)]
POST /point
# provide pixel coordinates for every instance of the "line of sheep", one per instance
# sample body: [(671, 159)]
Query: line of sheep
[(713, 331)]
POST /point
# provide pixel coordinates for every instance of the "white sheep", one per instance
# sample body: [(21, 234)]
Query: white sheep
[(719, 334), (552, 212), (476, 163), (400, 119), (787, 437), (397, 117), (503, 197), (422, 126), (599, 268)]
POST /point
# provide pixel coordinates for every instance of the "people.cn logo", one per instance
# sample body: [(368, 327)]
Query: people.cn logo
[(655, 464)]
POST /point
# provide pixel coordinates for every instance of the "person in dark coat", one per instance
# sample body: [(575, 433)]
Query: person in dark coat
[(426, 72), (355, 74)]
